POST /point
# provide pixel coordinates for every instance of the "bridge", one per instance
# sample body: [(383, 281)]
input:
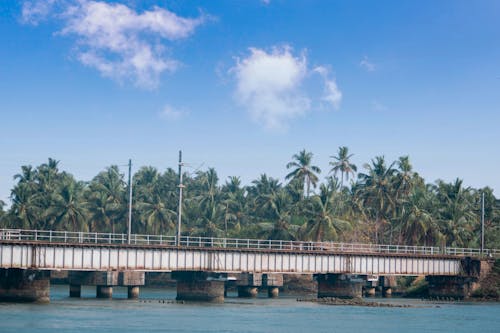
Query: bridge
[(201, 265)]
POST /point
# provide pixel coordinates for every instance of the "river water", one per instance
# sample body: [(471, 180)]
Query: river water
[(155, 312)]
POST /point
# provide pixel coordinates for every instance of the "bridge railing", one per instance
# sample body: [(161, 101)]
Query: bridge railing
[(257, 244), (84, 237), (301, 245), (472, 252)]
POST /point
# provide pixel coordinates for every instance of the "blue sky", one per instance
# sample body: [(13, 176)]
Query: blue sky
[(243, 85)]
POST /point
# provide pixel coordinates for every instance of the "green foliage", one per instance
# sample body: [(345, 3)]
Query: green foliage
[(386, 203), (418, 287)]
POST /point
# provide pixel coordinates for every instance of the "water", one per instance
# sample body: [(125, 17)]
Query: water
[(149, 314)]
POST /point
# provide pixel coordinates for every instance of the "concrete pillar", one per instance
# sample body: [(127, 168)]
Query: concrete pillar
[(273, 292), (456, 287), (272, 282), (248, 283), (199, 286), (387, 284), (369, 291), (339, 286), (24, 285), (133, 292), (75, 290), (104, 292), (247, 291)]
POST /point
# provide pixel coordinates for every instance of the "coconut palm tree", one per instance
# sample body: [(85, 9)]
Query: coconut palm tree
[(342, 163), (303, 170), (455, 212), (376, 191), (25, 211), (111, 184), (155, 216), (67, 211), (259, 196), (233, 198), (416, 224), (279, 226), (324, 223)]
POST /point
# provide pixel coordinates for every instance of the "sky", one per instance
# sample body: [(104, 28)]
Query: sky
[(242, 86)]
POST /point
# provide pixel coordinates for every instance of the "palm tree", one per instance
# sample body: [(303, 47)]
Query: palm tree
[(324, 223), (157, 218), (456, 214), (406, 179), (416, 224), (279, 226), (233, 198), (67, 210), (341, 163), (100, 211), (111, 183), (303, 170), (48, 174), (376, 190), (260, 195), (25, 210)]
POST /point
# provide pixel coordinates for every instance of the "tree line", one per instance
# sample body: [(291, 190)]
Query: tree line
[(382, 202)]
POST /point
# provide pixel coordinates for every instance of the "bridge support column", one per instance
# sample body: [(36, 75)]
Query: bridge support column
[(387, 283), (273, 282), (24, 285), (248, 283), (273, 292), (247, 291), (369, 291), (133, 292), (456, 287), (104, 292), (370, 288), (104, 282), (132, 280), (75, 290), (339, 286), (199, 286)]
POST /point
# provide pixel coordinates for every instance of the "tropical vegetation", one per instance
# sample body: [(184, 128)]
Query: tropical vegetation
[(385, 202)]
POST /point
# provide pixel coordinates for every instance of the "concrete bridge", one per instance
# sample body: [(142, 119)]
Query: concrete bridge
[(202, 265)]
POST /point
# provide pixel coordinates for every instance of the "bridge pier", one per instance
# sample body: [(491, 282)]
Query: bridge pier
[(199, 286), (387, 283), (339, 286), (273, 282), (104, 292), (457, 287), (75, 290), (248, 284), (24, 285), (104, 282)]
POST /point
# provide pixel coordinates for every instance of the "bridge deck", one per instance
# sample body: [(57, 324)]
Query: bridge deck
[(50, 250)]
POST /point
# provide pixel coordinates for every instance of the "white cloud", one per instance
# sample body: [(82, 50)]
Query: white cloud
[(119, 42), (33, 12), (332, 93), (171, 113), (268, 85), (367, 65)]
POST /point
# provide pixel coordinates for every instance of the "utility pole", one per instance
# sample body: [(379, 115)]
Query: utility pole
[(179, 212), (129, 200), (482, 223)]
